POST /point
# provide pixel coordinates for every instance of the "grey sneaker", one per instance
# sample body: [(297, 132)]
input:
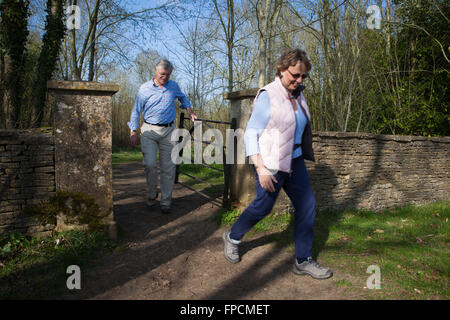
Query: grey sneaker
[(231, 250), (312, 268)]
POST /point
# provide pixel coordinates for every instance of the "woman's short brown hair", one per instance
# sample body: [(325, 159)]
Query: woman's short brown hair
[(291, 58)]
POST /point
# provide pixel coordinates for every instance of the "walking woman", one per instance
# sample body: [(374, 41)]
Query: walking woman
[(278, 139)]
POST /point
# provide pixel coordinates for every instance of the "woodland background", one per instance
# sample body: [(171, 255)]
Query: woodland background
[(391, 80)]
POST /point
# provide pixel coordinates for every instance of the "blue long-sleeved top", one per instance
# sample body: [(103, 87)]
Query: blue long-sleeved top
[(157, 104), (260, 118)]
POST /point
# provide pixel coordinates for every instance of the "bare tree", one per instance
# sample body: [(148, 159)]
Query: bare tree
[(145, 64), (105, 30), (266, 13), (229, 30)]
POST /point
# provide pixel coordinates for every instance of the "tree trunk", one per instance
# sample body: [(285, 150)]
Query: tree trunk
[(229, 30), (14, 32), (51, 45), (92, 44)]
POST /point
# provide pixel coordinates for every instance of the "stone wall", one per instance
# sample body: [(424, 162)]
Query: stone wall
[(73, 156), (27, 176), (376, 172), (357, 170)]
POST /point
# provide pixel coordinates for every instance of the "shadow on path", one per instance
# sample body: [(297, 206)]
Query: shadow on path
[(152, 238)]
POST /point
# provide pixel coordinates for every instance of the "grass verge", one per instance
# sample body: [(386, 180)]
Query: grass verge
[(126, 154), (410, 245), (35, 268)]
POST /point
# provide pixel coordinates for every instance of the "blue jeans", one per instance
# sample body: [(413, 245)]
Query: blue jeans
[(298, 188)]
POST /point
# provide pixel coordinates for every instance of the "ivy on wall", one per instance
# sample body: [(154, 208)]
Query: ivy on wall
[(14, 71), (13, 38), (54, 32)]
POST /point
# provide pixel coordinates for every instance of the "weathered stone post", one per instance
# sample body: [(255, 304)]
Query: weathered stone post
[(242, 181), (83, 141)]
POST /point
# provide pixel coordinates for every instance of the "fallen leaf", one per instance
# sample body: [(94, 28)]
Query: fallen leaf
[(379, 231)]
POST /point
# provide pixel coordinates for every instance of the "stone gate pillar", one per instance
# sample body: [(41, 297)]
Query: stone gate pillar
[(83, 141), (242, 181)]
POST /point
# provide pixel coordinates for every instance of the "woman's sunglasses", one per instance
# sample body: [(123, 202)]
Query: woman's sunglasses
[(298, 75)]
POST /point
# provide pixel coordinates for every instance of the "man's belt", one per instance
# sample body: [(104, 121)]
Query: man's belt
[(160, 124)]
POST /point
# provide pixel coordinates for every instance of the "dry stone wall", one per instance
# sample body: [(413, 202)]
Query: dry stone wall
[(366, 171), (27, 176), (376, 172)]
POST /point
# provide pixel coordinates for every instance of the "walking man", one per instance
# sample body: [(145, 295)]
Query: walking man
[(156, 101)]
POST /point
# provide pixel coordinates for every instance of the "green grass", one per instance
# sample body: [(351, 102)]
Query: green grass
[(410, 245), (272, 223), (35, 268), (126, 154), (212, 176)]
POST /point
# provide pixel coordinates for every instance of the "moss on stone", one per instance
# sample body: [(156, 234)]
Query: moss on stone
[(77, 208)]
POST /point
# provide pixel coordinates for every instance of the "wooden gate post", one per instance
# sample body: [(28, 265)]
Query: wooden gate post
[(180, 139)]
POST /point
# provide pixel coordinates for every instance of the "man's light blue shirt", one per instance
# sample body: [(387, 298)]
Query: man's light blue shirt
[(157, 104), (260, 118)]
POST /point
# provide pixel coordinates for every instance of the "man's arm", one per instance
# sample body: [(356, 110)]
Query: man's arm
[(185, 104), (133, 124)]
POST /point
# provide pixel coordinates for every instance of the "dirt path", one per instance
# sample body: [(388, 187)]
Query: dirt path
[(180, 255)]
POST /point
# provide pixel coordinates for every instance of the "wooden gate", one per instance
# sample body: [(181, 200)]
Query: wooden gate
[(226, 167)]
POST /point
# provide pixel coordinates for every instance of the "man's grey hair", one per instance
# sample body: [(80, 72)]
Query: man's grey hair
[(164, 64)]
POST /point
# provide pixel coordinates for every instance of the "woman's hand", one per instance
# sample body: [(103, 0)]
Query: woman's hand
[(266, 179)]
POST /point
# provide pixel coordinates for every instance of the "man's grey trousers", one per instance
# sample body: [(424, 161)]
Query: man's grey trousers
[(152, 137)]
